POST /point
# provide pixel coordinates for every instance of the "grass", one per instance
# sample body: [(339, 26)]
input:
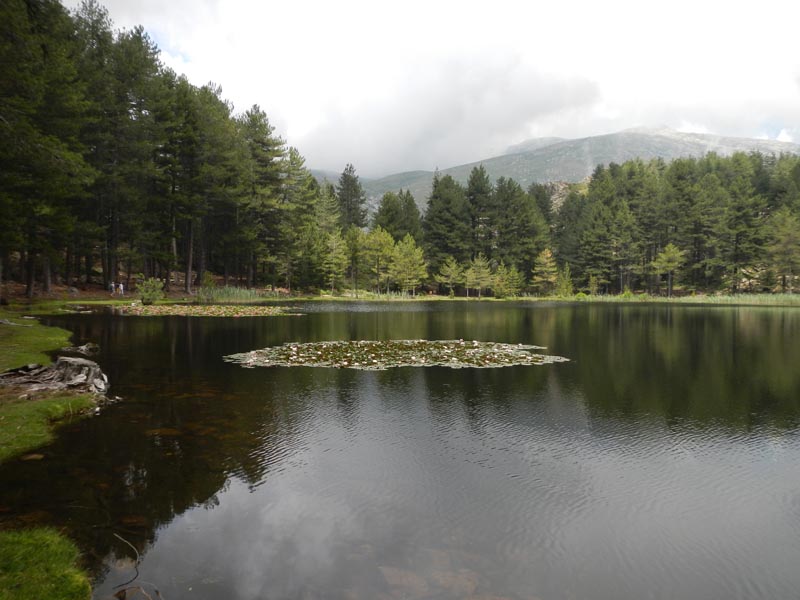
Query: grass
[(28, 423), (24, 345), (38, 564), (721, 299), (35, 563), (233, 295)]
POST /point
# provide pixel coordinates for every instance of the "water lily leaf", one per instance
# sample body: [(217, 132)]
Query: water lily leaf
[(384, 354)]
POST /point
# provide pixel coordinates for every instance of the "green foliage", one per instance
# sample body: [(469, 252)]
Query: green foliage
[(545, 273), (450, 274), (483, 211), (227, 294), (379, 249), (564, 287), (150, 290), (593, 285), (40, 563), (784, 247), (351, 199), (668, 261), (521, 231), (335, 263), (408, 268), (478, 274), (399, 215), (446, 226), (112, 164), (507, 281), (208, 282)]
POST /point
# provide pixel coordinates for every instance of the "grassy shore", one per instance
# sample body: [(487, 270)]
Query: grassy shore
[(35, 563), (39, 564)]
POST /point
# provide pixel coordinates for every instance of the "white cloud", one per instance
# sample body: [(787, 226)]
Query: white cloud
[(689, 127), (784, 136), (375, 83)]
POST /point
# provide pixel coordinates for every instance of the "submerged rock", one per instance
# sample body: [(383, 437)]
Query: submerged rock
[(88, 349)]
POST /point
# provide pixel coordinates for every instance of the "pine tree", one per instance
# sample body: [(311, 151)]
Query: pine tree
[(450, 274), (478, 274), (410, 220), (483, 211), (507, 281), (408, 268), (520, 228), (668, 261), (545, 273), (784, 247), (388, 214), (351, 199), (335, 263), (564, 287), (446, 225), (378, 253)]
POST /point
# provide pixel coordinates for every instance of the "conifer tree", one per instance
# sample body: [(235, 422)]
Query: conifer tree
[(408, 268), (450, 274), (545, 273), (351, 199), (446, 225)]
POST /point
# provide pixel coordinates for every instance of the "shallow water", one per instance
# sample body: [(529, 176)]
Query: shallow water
[(661, 462)]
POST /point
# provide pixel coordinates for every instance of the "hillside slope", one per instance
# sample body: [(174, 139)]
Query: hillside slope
[(574, 160)]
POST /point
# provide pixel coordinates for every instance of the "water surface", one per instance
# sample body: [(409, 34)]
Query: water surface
[(661, 462)]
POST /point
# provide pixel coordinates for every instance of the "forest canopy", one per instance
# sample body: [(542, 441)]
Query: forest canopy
[(113, 165)]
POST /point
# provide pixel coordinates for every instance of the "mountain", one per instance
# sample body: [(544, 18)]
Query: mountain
[(551, 159), (533, 144)]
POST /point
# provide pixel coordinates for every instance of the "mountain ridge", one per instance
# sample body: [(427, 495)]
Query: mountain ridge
[(572, 160)]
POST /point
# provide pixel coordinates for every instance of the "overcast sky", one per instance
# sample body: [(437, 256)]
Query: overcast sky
[(415, 85)]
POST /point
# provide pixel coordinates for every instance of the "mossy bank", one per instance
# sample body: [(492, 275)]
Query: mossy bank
[(35, 563)]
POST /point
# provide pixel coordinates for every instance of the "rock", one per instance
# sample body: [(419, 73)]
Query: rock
[(88, 349), (438, 560), (405, 582), (458, 583), (33, 456), (164, 432), (7, 322)]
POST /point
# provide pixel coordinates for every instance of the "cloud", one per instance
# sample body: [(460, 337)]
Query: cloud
[(451, 113), (424, 84), (784, 136)]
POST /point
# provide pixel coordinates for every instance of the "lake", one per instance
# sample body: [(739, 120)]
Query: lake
[(662, 461)]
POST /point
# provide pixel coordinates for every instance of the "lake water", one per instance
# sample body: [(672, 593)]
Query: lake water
[(662, 461)]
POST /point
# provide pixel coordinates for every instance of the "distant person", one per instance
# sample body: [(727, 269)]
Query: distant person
[(121, 289), (111, 287)]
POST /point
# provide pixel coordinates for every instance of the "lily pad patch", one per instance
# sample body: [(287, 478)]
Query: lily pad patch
[(382, 355), (205, 310)]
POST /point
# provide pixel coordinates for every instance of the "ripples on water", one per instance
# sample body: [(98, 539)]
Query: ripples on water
[(623, 474)]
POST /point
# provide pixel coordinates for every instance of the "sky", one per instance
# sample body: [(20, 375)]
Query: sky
[(396, 86)]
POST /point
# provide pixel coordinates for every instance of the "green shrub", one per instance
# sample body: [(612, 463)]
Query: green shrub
[(150, 290), (581, 296)]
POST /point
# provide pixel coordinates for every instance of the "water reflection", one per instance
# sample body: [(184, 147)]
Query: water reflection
[(660, 462)]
